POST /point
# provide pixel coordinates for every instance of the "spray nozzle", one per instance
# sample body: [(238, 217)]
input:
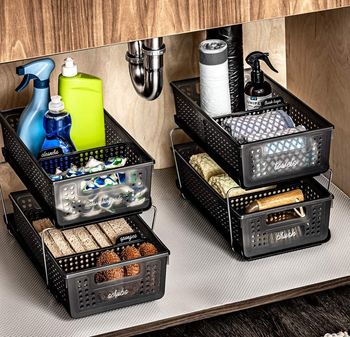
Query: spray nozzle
[(253, 59), (39, 71)]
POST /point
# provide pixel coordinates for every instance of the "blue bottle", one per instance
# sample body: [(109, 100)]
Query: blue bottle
[(57, 123), (30, 127)]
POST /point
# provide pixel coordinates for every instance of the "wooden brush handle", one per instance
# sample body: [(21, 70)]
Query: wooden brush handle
[(282, 199)]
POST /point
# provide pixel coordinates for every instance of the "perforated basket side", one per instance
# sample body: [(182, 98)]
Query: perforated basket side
[(87, 297), (211, 202), (76, 288), (259, 236), (51, 195), (262, 162), (251, 233)]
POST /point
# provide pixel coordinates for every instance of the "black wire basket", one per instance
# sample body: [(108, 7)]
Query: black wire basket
[(65, 201), (256, 235), (257, 164), (71, 279)]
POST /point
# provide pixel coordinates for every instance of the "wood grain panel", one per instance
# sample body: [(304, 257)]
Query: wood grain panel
[(318, 72), (9, 181), (34, 28), (268, 36), (281, 319)]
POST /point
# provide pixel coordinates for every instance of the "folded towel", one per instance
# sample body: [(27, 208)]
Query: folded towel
[(222, 183)]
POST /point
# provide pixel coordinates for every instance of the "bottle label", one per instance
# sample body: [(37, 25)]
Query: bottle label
[(253, 102), (47, 153)]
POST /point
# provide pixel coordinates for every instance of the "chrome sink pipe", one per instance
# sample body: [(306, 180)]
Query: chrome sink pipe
[(146, 66)]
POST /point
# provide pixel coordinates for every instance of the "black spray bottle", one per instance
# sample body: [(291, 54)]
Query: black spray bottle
[(257, 89)]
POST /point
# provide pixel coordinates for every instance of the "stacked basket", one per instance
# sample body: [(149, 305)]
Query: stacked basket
[(72, 278), (252, 166)]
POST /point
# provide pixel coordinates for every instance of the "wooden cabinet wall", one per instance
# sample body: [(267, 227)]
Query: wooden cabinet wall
[(149, 122), (318, 72)]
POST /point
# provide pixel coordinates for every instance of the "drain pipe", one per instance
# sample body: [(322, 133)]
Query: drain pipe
[(146, 66)]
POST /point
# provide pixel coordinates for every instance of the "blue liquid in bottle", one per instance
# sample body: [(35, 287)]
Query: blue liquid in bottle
[(57, 124)]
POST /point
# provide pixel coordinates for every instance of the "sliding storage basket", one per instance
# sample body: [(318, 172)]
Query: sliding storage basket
[(65, 201), (261, 162), (72, 278), (251, 235)]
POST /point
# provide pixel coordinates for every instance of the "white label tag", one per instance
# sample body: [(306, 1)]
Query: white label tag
[(280, 165), (253, 102)]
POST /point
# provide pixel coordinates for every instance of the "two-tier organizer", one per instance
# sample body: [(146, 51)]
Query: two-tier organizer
[(255, 165), (68, 205)]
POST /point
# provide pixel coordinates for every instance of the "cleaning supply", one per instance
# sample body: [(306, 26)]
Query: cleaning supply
[(82, 95), (214, 81), (30, 126), (57, 124), (257, 90)]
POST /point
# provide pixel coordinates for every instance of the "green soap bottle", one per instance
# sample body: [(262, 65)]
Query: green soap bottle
[(83, 98)]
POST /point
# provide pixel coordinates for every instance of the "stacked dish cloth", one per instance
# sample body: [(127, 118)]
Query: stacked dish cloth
[(217, 177), (250, 128)]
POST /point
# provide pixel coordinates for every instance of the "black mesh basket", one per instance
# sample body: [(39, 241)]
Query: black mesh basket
[(255, 235), (65, 201), (72, 278), (257, 164)]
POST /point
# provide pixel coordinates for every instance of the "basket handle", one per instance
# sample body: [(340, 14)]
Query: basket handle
[(330, 176), (229, 214), (3, 206), (154, 217), (44, 253), (176, 166)]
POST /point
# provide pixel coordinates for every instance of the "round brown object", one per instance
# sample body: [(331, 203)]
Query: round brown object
[(131, 253), (147, 249), (108, 257)]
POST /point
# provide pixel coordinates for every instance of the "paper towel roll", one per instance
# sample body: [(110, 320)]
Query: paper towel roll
[(214, 79)]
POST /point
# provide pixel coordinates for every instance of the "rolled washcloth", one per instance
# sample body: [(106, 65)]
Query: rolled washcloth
[(222, 183), (41, 224), (217, 177), (267, 123), (205, 166)]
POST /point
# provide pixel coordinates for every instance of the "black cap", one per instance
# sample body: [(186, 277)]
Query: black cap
[(212, 52)]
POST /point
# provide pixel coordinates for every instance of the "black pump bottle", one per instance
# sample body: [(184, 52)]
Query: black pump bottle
[(257, 89)]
